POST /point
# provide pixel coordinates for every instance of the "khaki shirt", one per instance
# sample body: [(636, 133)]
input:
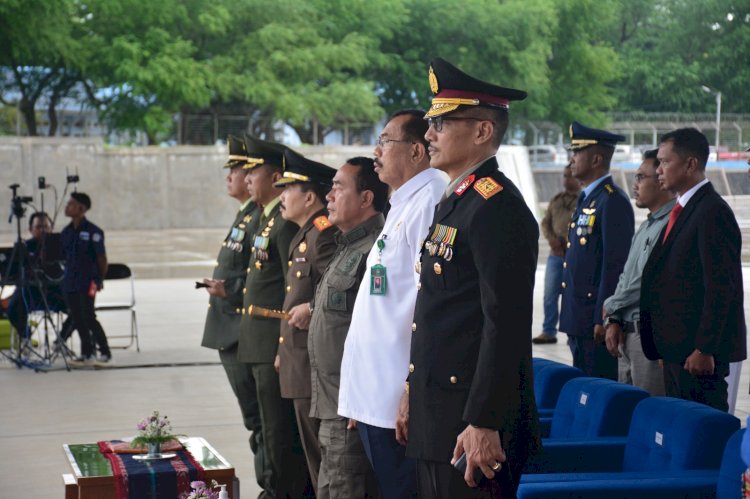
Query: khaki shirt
[(309, 253), (556, 219), (332, 313)]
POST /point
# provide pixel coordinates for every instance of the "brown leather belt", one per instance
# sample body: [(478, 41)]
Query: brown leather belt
[(257, 311)]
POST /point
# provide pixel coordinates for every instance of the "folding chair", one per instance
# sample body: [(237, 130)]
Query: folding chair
[(121, 271)]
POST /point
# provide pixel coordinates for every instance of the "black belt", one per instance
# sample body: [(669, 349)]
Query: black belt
[(628, 327)]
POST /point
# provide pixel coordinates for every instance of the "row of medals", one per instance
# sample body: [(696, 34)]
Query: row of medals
[(443, 250), (260, 246), (234, 241)]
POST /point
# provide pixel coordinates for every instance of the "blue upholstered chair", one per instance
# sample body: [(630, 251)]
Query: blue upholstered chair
[(549, 379), (668, 437), (724, 483), (592, 408)]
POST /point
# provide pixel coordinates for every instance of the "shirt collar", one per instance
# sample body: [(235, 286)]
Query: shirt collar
[(661, 212), (593, 185), (412, 185), (270, 206), (685, 198), (245, 204), (452, 185), (360, 230)]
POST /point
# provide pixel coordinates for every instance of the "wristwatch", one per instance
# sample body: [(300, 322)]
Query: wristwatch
[(612, 320)]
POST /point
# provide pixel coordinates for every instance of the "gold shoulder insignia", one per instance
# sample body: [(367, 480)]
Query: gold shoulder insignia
[(487, 187), (322, 223), (609, 188)]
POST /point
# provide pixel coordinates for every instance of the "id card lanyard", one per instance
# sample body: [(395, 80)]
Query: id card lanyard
[(378, 278)]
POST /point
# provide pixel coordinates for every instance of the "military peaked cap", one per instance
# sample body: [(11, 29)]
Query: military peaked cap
[(237, 152), (263, 152), (452, 88), (299, 169), (582, 137)]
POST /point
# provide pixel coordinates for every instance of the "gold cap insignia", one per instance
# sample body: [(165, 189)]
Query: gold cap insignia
[(433, 81)]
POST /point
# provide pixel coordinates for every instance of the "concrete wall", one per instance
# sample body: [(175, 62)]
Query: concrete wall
[(131, 188)]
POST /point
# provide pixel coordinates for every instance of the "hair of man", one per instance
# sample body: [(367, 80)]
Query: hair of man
[(368, 180), (414, 127), (687, 142), (320, 190), (38, 214)]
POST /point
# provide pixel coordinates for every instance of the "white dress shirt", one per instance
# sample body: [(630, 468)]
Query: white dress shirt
[(376, 353)]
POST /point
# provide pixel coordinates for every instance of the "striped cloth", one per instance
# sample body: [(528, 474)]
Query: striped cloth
[(158, 479)]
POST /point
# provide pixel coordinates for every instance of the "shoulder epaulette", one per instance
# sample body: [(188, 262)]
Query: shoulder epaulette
[(487, 187), (322, 223), (610, 189)]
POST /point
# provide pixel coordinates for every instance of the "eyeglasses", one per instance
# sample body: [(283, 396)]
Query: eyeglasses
[(640, 178), (384, 142), (437, 121)]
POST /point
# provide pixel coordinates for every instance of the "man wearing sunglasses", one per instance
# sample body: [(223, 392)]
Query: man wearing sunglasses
[(469, 388)]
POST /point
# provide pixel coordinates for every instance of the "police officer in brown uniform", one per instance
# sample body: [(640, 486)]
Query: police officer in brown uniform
[(222, 329), (306, 184), (470, 387), (355, 206), (261, 311)]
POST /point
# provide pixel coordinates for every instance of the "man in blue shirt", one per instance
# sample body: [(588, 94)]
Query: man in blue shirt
[(85, 268)]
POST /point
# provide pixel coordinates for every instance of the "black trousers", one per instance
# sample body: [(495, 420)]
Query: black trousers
[(442, 481), (81, 310), (710, 390)]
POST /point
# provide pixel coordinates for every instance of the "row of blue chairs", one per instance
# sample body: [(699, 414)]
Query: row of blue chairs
[(608, 439)]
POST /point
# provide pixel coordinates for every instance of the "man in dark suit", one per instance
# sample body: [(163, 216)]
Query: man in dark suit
[(599, 237), (306, 184), (261, 311), (470, 388), (692, 313)]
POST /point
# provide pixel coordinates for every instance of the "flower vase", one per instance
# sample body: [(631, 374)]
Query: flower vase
[(154, 449)]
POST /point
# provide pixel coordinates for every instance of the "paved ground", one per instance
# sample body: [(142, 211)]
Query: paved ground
[(172, 373)]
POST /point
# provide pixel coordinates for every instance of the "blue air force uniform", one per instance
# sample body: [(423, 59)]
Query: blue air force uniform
[(599, 237)]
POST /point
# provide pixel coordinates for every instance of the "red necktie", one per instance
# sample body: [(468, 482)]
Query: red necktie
[(672, 219)]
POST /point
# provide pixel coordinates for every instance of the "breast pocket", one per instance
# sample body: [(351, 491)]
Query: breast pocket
[(340, 292)]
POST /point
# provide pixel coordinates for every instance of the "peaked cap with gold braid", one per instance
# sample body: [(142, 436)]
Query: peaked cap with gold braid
[(299, 169), (452, 88), (263, 152), (237, 152), (582, 136)]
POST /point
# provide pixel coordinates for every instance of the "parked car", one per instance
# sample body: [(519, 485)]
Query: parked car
[(547, 153)]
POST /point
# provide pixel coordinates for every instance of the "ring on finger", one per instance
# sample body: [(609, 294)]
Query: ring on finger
[(496, 466)]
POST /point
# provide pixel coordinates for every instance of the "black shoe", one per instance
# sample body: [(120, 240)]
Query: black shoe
[(544, 339)]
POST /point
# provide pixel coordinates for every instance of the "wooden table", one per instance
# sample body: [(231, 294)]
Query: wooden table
[(92, 474)]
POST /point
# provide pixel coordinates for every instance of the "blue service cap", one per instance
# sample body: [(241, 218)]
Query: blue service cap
[(583, 136)]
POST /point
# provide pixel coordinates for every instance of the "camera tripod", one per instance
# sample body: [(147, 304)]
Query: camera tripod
[(31, 296)]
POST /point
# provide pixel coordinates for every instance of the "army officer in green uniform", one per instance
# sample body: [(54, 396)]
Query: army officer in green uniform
[(222, 329), (261, 310), (306, 184)]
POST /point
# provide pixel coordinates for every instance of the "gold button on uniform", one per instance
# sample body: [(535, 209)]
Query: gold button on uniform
[(413, 327), (299, 274), (290, 263), (209, 305), (244, 291), (281, 339), (565, 265), (564, 285), (411, 368), (437, 268), (454, 380), (588, 295), (572, 225), (419, 286), (258, 264), (568, 245), (288, 289)]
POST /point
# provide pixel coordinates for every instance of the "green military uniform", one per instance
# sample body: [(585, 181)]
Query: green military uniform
[(309, 253), (259, 335), (222, 329), (344, 471)]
